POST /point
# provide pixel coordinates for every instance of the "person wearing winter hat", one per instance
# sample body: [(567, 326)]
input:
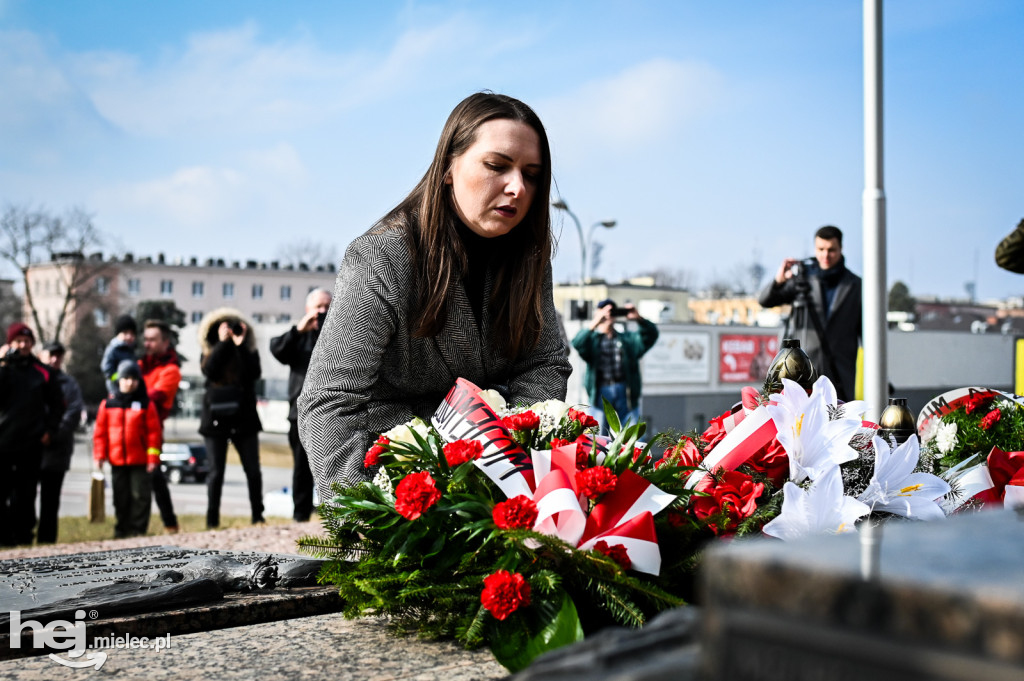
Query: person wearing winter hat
[(128, 434), (57, 454), (120, 348), (31, 407)]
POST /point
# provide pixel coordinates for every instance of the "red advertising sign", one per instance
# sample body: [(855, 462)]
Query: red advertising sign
[(745, 358)]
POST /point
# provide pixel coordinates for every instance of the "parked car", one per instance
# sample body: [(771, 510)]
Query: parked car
[(184, 461)]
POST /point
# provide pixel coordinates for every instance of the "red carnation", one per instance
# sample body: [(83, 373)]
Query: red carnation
[(616, 552), (593, 482), (373, 454), (715, 431), (461, 451), (585, 419), (735, 495), (415, 494), (517, 513), (504, 592), (990, 419), (527, 420)]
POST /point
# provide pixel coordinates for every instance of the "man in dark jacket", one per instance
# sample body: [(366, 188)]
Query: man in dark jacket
[(613, 361), (57, 455), (31, 407), (294, 348), (834, 294)]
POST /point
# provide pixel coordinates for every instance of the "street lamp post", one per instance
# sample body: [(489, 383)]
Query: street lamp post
[(607, 224), (560, 204)]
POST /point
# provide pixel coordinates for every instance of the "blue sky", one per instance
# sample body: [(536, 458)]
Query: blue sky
[(717, 134)]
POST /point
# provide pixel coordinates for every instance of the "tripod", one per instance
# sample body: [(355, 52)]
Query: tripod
[(803, 307)]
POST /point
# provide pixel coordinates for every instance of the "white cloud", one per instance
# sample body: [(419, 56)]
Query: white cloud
[(237, 82), (639, 106)]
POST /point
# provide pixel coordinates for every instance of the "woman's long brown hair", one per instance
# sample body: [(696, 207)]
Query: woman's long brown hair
[(429, 218)]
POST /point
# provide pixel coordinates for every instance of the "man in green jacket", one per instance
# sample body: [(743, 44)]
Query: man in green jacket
[(613, 360)]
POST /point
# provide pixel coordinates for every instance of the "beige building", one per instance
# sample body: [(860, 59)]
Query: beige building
[(742, 310), (264, 292)]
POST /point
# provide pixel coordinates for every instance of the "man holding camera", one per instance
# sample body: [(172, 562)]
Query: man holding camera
[(613, 360), (826, 316), (294, 348)]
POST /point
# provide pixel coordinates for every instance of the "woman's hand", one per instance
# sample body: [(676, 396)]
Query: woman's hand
[(224, 331)]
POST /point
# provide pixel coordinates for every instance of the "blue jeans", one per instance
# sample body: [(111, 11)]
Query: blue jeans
[(615, 393)]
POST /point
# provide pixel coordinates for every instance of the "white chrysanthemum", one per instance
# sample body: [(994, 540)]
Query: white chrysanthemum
[(945, 437)]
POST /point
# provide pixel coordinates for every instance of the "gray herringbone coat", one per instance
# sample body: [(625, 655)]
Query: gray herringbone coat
[(368, 373)]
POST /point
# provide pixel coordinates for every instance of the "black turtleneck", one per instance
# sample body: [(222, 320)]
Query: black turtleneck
[(479, 252)]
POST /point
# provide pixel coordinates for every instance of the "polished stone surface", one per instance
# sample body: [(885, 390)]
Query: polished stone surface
[(33, 583), (947, 603)]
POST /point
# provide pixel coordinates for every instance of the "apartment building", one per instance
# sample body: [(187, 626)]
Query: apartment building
[(263, 292)]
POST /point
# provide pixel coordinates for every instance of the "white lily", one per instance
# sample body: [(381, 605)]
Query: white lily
[(821, 509), (850, 410), (812, 441), (896, 488)]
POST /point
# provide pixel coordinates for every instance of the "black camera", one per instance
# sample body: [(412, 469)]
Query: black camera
[(237, 328), (619, 311), (320, 318), (805, 268)]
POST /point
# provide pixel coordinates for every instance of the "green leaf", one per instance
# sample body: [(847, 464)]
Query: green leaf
[(549, 625), (614, 425)]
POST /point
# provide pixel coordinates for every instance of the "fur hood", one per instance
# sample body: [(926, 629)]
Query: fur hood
[(211, 322)]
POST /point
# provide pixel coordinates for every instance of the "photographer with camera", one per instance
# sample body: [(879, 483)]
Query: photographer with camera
[(613, 360), (31, 408), (231, 364), (826, 314), (294, 348)]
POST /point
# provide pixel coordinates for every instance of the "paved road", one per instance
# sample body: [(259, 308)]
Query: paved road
[(189, 498)]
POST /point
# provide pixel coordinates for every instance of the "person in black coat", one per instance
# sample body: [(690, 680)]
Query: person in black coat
[(231, 364), (834, 294), (294, 348), (57, 455), (31, 407)]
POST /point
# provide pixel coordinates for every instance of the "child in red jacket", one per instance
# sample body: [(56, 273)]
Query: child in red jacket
[(128, 435)]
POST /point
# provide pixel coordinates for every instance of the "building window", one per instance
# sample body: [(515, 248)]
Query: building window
[(101, 317), (134, 287), (228, 290), (197, 289), (257, 291), (284, 317), (197, 316), (166, 287), (257, 317), (286, 293), (102, 285)]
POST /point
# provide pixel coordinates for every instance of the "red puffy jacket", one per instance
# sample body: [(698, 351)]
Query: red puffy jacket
[(128, 431)]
